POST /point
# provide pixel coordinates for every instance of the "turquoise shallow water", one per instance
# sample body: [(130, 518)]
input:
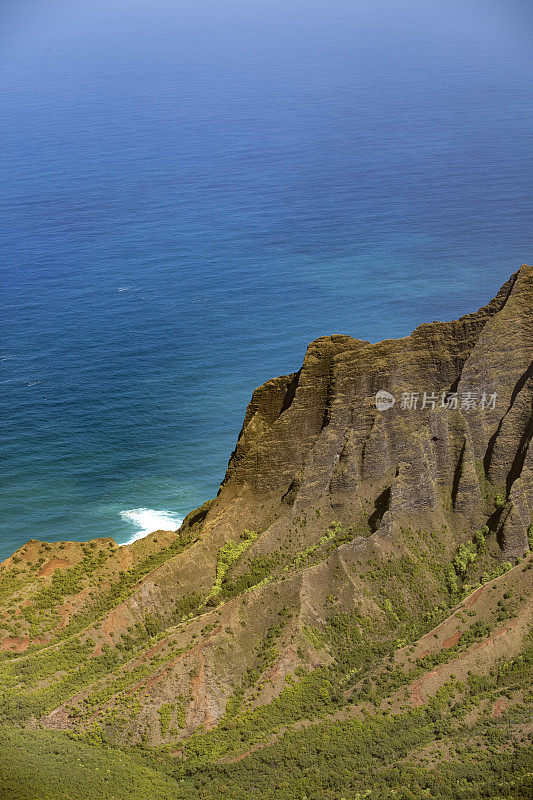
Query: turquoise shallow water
[(190, 196)]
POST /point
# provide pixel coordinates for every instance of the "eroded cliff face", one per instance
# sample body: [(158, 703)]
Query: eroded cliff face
[(316, 438), (329, 506)]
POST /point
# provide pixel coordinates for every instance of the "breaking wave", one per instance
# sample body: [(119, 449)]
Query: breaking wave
[(147, 521)]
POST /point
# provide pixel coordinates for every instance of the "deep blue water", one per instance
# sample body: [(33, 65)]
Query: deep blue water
[(193, 191)]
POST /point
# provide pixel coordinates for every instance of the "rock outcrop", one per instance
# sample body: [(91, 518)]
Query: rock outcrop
[(316, 438)]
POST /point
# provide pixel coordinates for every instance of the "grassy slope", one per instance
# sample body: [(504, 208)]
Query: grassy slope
[(438, 751), (467, 740)]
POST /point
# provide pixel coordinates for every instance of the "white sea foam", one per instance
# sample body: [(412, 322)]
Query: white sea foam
[(148, 521)]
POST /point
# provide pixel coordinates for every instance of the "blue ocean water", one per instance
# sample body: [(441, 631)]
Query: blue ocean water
[(193, 191)]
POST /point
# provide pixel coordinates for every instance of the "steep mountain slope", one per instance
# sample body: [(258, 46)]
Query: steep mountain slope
[(310, 587)]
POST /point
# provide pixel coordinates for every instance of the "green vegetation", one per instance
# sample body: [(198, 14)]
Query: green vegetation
[(468, 554), (228, 555), (42, 765), (431, 752), (165, 716), (259, 568)]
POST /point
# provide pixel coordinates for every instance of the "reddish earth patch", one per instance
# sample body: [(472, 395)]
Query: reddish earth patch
[(246, 753), (153, 680), (451, 641), (56, 720), (473, 598), (424, 654), (15, 644), (152, 651), (52, 565), (64, 616), (198, 680), (499, 708), (163, 671), (200, 708), (417, 698), (125, 557), (282, 666), (115, 622), (19, 644)]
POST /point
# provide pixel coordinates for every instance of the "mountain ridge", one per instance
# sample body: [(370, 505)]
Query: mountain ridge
[(310, 584)]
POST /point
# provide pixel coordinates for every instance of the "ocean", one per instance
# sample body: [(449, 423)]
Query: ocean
[(191, 192)]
